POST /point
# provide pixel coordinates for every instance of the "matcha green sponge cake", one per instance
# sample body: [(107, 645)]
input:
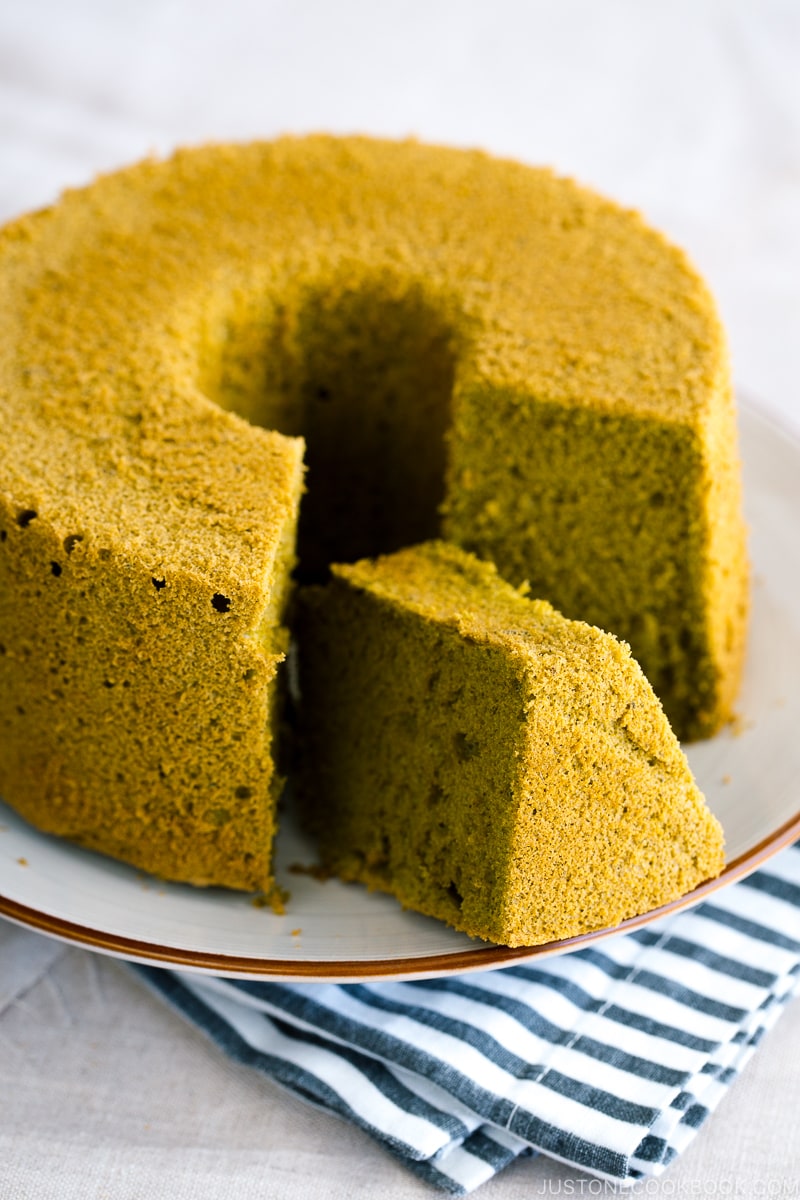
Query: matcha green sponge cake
[(486, 760), (143, 715), (450, 345)]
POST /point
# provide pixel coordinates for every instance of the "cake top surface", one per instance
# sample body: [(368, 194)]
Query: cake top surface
[(117, 305), (562, 292), (447, 585), (588, 672)]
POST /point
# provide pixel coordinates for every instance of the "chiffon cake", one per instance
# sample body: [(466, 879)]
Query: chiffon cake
[(452, 346)]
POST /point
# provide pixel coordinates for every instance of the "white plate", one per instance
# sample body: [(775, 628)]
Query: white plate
[(750, 775)]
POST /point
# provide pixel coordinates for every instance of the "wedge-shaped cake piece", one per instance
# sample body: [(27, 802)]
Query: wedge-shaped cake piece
[(486, 760)]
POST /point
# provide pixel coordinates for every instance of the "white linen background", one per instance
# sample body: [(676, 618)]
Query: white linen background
[(687, 109)]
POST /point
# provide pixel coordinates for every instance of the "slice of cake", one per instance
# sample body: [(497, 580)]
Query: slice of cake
[(486, 760)]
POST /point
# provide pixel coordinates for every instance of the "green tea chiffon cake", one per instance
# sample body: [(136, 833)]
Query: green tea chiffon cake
[(441, 345), (486, 760)]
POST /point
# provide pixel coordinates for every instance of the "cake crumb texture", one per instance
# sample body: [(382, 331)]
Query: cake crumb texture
[(486, 760), (446, 344)]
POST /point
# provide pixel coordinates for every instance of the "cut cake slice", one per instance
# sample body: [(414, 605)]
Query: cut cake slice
[(486, 760)]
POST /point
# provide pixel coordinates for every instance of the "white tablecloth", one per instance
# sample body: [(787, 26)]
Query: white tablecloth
[(107, 1095), (689, 110)]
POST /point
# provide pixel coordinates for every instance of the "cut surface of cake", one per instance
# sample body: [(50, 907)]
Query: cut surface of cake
[(486, 760)]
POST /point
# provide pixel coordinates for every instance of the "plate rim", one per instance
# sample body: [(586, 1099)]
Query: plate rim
[(480, 957)]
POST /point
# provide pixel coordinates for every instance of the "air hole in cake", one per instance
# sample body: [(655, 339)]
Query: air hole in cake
[(383, 855), (363, 369), (55, 568), (71, 541), (243, 792), (455, 895), (466, 747), (158, 584), (25, 517), (221, 603)]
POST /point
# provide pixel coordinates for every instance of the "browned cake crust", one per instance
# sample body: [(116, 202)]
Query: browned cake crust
[(469, 347)]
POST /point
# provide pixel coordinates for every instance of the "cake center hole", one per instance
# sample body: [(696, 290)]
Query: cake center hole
[(366, 377)]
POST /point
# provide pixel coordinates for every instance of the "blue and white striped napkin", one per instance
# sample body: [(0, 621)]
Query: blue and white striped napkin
[(609, 1058)]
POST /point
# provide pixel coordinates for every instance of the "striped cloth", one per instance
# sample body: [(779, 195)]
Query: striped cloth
[(609, 1059)]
